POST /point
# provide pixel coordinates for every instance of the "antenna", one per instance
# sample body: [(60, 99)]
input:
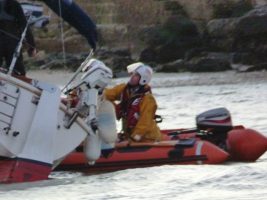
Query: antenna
[(79, 69), (62, 33)]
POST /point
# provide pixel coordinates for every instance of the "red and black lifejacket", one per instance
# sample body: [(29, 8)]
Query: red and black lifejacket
[(129, 107)]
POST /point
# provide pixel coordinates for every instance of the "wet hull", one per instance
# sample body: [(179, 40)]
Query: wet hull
[(180, 146), (243, 145), (135, 155)]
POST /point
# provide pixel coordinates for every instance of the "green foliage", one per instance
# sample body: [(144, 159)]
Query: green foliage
[(180, 26), (176, 30), (175, 8)]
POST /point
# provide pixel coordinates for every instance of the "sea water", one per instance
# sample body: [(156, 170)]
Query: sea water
[(180, 98)]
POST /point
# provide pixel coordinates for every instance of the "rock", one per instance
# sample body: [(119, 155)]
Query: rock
[(40, 55), (221, 27), (175, 8), (105, 53), (117, 59), (176, 66), (219, 34), (152, 36), (170, 41), (195, 52), (149, 54), (56, 61), (251, 35), (246, 58), (110, 32), (228, 9), (178, 38), (241, 67), (260, 66), (249, 68), (243, 35), (253, 23), (208, 64), (119, 63)]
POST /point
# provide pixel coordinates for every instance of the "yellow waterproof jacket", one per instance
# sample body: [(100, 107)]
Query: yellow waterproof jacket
[(146, 126)]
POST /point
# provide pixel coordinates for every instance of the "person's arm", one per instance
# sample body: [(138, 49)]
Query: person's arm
[(113, 94), (148, 109)]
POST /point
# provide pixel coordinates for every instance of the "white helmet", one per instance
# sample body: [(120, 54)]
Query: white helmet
[(143, 70)]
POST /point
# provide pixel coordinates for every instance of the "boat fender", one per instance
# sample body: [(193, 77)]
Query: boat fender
[(92, 147), (107, 149), (246, 144), (107, 122)]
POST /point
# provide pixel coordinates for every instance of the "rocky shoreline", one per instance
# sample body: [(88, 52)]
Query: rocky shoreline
[(234, 39), (61, 77)]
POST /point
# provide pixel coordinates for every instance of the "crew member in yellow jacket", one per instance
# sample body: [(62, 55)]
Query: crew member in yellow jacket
[(137, 106)]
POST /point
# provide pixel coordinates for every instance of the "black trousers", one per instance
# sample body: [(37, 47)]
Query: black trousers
[(7, 49)]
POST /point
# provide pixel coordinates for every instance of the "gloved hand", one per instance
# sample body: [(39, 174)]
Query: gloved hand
[(94, 124), (32, 52), (137, 138), (121, 137)]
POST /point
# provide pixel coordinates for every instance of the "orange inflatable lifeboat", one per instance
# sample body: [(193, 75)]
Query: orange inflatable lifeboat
[(132, 155), (214, 141), (246, 144), (215, 126), (243, 145)]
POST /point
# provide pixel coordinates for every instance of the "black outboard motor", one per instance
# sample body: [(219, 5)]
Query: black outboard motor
[(216, 123)]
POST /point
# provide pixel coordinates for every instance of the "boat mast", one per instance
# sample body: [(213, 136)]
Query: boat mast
[(19, 46)]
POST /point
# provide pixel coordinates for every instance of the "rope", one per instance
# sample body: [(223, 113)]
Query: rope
[(62, 33)]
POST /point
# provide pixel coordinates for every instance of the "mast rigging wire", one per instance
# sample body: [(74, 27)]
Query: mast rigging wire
[(62, 33)]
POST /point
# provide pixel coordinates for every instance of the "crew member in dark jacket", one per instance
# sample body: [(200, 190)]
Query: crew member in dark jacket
[(12, 24)]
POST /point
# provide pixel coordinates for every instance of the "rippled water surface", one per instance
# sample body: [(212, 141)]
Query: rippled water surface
[(180, 98)]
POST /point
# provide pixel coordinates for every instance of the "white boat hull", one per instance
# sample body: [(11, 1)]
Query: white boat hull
[(32, 127)]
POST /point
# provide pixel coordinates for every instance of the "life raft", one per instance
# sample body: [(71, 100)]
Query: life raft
[(187, 147), (242, 144), (132, 155), (214, 141), (215, 126)]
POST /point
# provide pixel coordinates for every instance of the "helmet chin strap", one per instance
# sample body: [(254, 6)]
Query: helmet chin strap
[(135, 88)]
